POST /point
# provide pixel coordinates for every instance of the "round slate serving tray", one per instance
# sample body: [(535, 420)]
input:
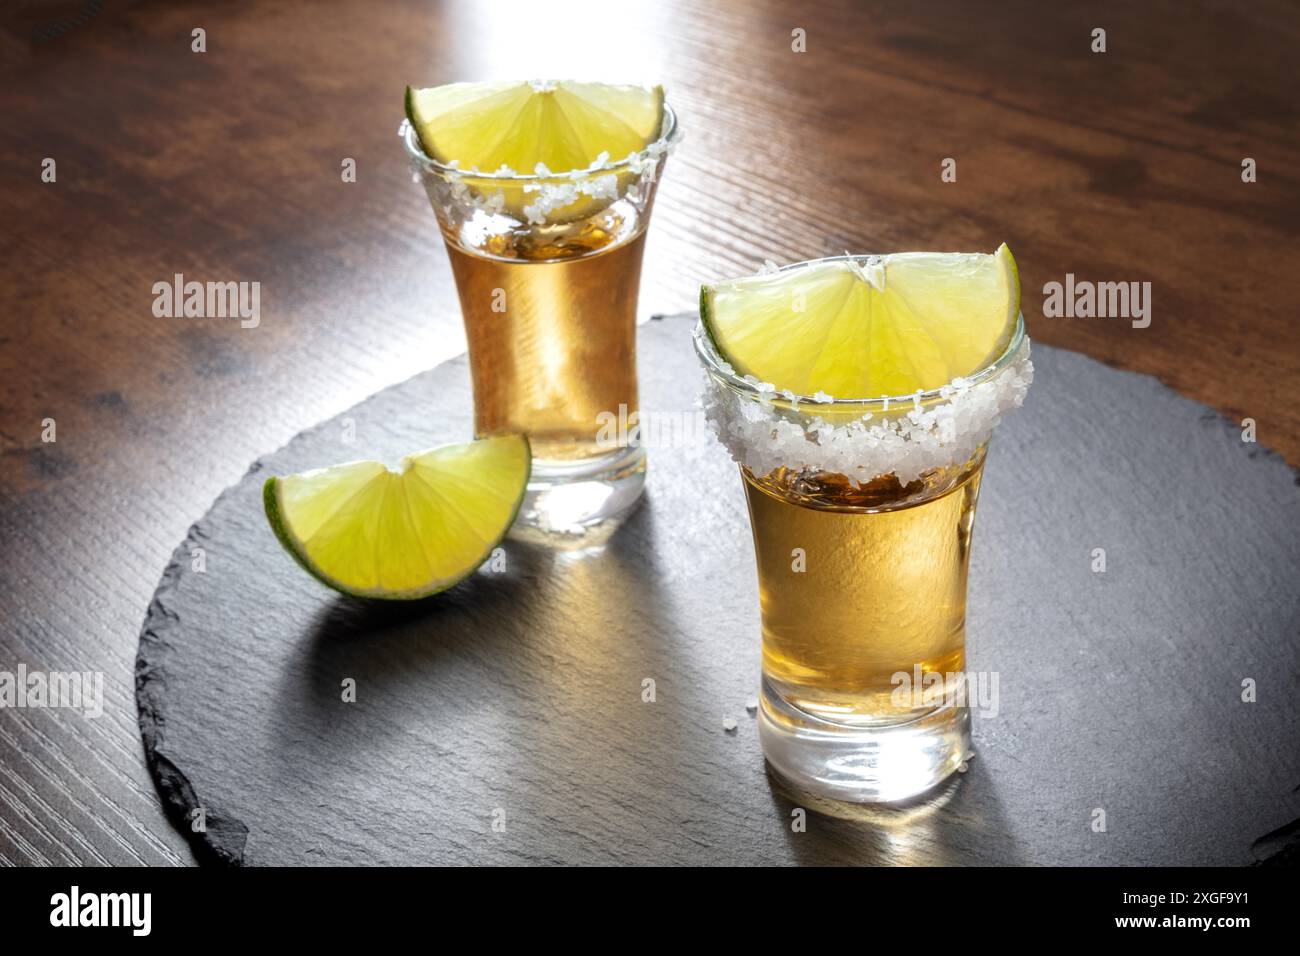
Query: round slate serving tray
[(503, 721)]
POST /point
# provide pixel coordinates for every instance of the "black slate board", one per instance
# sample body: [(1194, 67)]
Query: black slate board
[(516, 696)]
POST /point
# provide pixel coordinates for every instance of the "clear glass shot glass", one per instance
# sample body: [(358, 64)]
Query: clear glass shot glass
[(862, 513), (548, 269)]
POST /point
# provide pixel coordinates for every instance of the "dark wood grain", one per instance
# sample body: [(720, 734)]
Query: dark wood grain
[(518, 696), (225, 165)]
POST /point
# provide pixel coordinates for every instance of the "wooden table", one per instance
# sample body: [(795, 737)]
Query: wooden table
[(225, 165)]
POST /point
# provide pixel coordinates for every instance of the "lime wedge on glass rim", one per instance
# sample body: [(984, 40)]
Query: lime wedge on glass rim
[(564, 125), (549, 151), (867, 326), (366, 530)]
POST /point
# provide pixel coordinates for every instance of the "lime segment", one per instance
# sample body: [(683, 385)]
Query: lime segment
[(563, 125), (368, 531), (867, 327)]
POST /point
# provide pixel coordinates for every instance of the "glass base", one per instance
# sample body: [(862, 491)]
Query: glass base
[(856, 765), (579, 500)]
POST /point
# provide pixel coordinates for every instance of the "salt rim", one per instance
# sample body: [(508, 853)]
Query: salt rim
[(555, 190), (763, 429)]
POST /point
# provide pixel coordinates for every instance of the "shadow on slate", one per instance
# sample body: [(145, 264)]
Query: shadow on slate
[(516, 697)]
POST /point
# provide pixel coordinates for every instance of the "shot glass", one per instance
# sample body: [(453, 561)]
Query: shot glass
[(862, 513), (548, 267)]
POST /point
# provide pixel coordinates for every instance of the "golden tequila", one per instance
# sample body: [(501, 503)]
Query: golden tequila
[(551, 322), (859, 585)]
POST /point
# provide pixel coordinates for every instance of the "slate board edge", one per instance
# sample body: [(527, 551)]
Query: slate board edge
[(222, 838)]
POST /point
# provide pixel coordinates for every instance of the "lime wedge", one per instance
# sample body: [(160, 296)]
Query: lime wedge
[(368, 531), (867, 326), (564, 125)]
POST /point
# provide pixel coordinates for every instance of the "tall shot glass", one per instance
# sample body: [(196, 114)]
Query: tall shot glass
[(548, 267)]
